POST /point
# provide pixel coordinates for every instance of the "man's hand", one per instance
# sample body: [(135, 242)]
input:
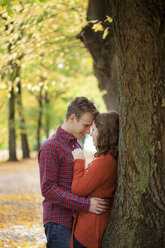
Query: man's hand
[(98, 206), (78, 153)]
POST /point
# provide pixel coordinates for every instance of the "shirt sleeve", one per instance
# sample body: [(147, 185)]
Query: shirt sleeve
[(86, 181), (49, 164)]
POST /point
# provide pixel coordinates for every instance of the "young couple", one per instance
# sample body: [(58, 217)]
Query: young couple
[(71, 190)]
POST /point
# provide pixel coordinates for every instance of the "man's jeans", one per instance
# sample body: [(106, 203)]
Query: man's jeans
[(58, 236), (77, 244)]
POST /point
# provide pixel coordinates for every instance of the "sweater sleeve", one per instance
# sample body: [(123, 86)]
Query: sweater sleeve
[(86, 181)]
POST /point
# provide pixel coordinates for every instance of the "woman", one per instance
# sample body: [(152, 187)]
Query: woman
[(98, 180)]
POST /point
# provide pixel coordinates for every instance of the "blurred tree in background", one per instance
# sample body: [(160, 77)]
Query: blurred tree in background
[(43, 66)]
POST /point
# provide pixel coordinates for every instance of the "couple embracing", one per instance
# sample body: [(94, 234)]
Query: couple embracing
[(78, 199)]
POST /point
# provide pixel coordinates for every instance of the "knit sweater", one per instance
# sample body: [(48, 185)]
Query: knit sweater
[(98, 180)]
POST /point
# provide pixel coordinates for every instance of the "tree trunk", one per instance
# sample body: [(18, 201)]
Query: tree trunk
[(11, 120), (12, 133), (103, 52), (138, 215), (47, 115), (40, 113), (24, 140)]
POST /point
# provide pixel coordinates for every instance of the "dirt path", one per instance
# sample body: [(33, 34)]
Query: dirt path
[(20, 205)]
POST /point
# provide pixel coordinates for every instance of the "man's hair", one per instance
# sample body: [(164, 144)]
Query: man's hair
[(108, 133), (79, 106)]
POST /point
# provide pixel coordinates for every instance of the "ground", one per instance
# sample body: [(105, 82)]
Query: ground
[(21, 202), (20, 205)]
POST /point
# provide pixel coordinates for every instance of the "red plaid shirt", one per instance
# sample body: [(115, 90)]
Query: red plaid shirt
[(56, 172)]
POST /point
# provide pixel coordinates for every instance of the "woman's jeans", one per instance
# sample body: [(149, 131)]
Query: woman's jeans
[(58, 236), (76, 243)]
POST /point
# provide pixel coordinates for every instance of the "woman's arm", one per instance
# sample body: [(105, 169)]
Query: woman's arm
[(86, 181)]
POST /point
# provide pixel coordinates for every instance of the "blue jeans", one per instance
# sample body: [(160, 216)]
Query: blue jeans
[(76, 243), (58, 236)]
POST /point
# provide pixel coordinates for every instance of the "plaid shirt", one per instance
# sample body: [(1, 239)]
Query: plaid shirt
[(56, 172)]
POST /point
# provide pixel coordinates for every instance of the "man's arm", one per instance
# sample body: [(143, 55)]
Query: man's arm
[(49, 164)]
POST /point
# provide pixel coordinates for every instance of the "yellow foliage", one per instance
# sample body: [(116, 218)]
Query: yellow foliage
[(93, 21), (105, 33), (45, 35), (98, 27), (21, 213), (109, 19)]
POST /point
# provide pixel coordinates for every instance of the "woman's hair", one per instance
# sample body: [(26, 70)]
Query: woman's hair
[(80, 105), (108, 133)]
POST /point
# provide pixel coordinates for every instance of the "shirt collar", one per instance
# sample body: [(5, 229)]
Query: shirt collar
[(64, 134)]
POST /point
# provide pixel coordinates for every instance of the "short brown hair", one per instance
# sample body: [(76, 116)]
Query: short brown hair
[(80, 105), (108, 133)]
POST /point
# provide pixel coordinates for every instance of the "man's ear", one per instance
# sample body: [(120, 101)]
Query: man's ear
[(72, 117)]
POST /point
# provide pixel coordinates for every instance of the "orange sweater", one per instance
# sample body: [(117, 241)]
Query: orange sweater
[(98, 180)]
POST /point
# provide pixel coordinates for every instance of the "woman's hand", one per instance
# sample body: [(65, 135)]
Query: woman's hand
[(78, 154)]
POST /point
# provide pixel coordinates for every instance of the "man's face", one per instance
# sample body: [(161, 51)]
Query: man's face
[(82, 126)]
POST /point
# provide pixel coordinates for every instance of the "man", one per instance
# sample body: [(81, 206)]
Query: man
[(56, 171)]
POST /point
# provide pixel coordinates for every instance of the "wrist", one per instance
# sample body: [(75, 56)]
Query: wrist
[(79, 162)]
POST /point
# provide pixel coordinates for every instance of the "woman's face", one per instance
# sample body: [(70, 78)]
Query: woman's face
[(94, 134)]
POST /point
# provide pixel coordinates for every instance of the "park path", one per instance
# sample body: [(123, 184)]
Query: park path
[(20, 205)]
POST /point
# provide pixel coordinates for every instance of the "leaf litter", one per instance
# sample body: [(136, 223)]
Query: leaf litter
[(21, 205)]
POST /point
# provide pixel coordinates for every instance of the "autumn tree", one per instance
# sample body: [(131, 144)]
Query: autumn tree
[(138, 215), (25, 35), (11, 69), (46, 53), (98, 37), (139, 204)]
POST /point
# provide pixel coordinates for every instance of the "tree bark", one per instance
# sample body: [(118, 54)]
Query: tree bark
[(47, 115), (11, 119), (138, 215), (40, 113), (11, 123), (103, 52), (24, 140)]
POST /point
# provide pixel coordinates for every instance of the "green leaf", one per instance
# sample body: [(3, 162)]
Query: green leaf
[(4, 2), (10, 11)]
